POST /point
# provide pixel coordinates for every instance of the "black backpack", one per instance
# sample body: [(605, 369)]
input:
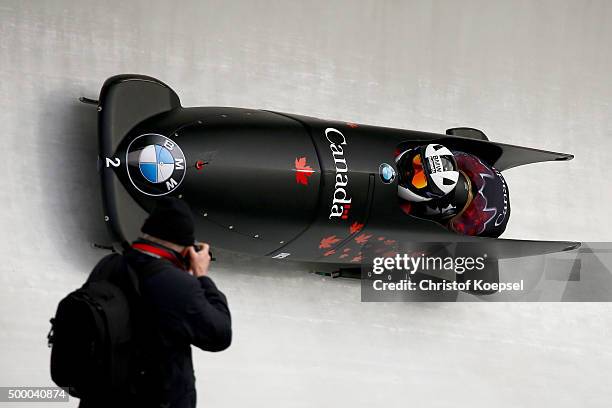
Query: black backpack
[(94, 334)]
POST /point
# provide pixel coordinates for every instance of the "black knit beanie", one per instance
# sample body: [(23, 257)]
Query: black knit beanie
[(171, 220)]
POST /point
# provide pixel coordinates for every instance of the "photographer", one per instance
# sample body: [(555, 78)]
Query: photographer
[(181, 307)]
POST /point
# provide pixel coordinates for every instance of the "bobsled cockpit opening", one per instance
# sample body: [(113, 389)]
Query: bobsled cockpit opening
[(453, 188)]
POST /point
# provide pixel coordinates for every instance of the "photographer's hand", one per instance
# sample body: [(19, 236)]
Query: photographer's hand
[(200, 260)]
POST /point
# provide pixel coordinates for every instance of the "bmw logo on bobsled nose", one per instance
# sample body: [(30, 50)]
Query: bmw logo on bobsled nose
[(155, 164)]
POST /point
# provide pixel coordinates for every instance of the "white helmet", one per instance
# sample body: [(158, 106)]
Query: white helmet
[(426, 172)]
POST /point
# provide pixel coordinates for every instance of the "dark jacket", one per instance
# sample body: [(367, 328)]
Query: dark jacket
[(182, 310)]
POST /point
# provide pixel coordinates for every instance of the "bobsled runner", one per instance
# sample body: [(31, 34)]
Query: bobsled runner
[(279, 185)]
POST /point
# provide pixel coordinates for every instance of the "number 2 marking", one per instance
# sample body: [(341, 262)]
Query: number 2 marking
[(114, 162)]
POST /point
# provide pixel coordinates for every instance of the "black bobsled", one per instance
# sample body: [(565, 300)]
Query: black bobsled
[(277, 184)]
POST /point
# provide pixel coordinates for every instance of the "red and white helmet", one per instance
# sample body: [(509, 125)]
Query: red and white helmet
[(426, 172)]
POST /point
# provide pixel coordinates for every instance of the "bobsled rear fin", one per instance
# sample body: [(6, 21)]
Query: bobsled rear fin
[(125, 101), (514, 156), (501, 248)]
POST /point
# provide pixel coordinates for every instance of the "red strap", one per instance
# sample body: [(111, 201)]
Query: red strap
[(162, 253)]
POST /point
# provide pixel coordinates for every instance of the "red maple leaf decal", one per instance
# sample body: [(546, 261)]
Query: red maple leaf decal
[(362, 239), (302, 171), (327, 242), (355, 227), (330, 252)]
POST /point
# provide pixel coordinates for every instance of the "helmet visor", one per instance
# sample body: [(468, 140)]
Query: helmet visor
[(418, 179)]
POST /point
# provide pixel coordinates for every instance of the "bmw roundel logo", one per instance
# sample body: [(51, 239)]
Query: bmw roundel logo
[(387, 173), (155, 164)]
